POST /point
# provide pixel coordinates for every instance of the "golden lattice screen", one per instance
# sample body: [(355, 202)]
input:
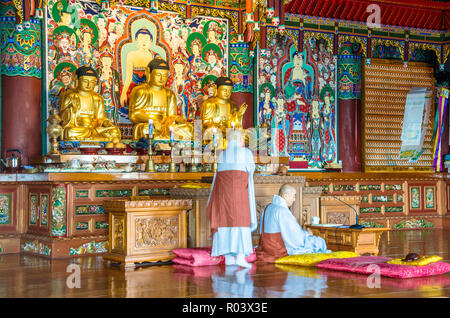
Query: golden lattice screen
[(386, 84)]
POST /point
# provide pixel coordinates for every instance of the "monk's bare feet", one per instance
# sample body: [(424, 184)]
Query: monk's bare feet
[(240, 260), (230, 260)]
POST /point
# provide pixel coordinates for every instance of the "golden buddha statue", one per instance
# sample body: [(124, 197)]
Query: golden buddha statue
[(153, 100), (82, 111), (219, 111)]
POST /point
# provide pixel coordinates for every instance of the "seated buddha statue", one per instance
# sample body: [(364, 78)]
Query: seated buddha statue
[(153, 100), (219, 111), (82, 111)]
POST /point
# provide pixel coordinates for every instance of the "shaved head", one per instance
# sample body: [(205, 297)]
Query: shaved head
[(285, 189)]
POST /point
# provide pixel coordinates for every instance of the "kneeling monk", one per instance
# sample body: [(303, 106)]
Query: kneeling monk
[(281, 235)]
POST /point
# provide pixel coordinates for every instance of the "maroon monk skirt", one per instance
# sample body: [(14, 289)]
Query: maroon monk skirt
[(229, 205)]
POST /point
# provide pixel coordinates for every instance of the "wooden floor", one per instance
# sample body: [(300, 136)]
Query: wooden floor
[(29, 276)]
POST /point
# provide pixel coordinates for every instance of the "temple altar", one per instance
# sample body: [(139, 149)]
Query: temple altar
[(109, 116)]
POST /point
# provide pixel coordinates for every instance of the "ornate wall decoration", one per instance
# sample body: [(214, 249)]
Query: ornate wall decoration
[(59, 211), (413, 224), (81, 33), (429, 197), (118, 234), (232, 15), (20, 48), (156, 231), (36, 247), (349, 70), (33, 208), (82, 194), (43, 204), (296, 93), (415, 198), (241, 65), (100, 225), (113, 193), (181, 9), (81, 226), (371, 224), (89, 209), (5, 209), (390, 209), (388, 49), (344, 39), (156, 191), (90, 248), (436, 48)]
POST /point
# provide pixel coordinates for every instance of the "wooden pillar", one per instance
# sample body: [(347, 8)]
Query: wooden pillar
[(349, 109), (349, 114), (21, 116)]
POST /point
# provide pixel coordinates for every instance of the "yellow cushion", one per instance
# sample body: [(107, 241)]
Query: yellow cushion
[(196, 185), (424, 260), (298, 270), (312, 259)]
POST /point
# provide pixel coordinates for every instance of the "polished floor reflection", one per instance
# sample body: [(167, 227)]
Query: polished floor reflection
[(29, 276)]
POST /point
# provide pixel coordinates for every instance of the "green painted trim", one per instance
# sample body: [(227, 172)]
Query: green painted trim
[(416, 37), (396, 35), (326, 27), (344, 29), (311, 26), (362, 32), (380, 33)]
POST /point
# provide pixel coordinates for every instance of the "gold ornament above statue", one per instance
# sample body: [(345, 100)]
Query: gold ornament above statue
[(83, 111), (153, 100), (220, 112)]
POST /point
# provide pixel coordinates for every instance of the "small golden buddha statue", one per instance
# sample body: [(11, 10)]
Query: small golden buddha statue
[(82, 111), (153, 100), (219, 111)]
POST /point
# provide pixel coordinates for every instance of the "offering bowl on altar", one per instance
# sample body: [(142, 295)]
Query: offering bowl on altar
[(141, 151), (89, 150), (115, 151)]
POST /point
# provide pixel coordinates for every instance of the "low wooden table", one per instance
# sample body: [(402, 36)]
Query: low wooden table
[(145, 230), (360, 241)]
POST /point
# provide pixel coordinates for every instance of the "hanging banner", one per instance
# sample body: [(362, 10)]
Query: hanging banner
[(439, 129), (414, 123)]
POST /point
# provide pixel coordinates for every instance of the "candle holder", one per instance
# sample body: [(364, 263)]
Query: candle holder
[(149, 164), (193, 164), (214, 165), (172, 165)]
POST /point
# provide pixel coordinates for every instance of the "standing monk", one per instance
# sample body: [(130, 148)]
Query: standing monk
[(231, 204), (281, 235)]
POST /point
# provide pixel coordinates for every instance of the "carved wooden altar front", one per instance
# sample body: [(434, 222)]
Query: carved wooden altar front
[(145, 230)]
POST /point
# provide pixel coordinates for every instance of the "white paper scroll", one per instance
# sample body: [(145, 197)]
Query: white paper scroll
[(414, 123)]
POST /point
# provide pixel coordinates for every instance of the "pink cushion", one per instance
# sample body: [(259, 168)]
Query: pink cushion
[(412, 283), (361, 265), (201, 256)]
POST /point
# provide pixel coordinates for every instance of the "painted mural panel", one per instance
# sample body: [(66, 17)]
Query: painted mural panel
[(120, 43), (297, 97), (5, 209)]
